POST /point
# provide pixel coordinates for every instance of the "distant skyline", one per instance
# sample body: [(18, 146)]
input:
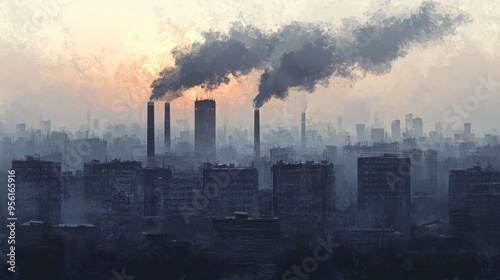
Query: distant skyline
[(61, 57)]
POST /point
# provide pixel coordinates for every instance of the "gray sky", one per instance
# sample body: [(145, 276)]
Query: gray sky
[(57, 58)]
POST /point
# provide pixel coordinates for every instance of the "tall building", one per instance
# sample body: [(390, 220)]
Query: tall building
[(418, 127), (467, 188), (304, 195), (360, 132), (409, 126), (384, 185), (38, 190), (396, 130), (468, 131), (204, 129), (231, 188)]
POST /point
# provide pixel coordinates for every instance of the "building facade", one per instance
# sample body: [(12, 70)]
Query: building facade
[(384, 185), (303, 195), (38, 190)]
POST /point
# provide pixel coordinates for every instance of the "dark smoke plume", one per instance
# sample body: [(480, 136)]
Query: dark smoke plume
[(301, 56)]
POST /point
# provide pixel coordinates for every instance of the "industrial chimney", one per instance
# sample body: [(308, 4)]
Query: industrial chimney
[(167, 147), (303, 132), (256, 134), (151, 134)]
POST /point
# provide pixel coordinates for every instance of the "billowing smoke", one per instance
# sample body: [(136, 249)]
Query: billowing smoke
[(301, 56)]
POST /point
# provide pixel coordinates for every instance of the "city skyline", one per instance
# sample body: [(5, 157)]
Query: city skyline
[(112, 74), (250, 139)]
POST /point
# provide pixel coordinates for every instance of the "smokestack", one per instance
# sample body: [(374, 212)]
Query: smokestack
[(151, 133), (303, 132), (256, 134), (167, 129)]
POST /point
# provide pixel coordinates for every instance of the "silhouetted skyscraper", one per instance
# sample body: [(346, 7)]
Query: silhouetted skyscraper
[(468, 131), (151, 134), (409, 126), (204, 129), (360, 132), (396, 130), (418, 127)]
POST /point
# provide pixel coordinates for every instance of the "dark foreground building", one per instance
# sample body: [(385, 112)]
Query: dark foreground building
[(38, 190), (304, 195), (474, 204), (244, 240), (113, 192), (230, 189), (384, 185)]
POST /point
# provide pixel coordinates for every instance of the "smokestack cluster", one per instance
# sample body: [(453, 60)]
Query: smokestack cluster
[(167, 141), (256, 134), (151, 134), (301, 56)]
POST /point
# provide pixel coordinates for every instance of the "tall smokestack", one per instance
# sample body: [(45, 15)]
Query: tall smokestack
[(151, 133), (256, 134), (167, 129), (303, 132)]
